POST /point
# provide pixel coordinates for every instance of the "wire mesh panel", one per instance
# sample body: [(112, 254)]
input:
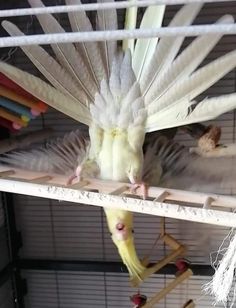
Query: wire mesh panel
[(65, 231), (90, 290), (6, 298), (4, 258), (62, 289)]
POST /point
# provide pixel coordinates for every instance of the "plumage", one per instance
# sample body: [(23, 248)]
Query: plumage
[(130, 23), (168, 47), (90, 51), (49, 67), (66, 54), (185, 63), (107, 20), (121, 96), (46, 93), (145, 48)]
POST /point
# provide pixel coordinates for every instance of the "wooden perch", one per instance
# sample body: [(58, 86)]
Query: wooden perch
[(24, 140), (172, 285), (100, 193)]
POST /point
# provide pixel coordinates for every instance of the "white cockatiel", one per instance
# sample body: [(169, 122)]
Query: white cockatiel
[(122, 95)]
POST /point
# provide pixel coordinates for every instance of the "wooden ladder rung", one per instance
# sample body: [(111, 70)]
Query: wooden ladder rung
[(80, 184), (120, 190), (162, 196), (208, 202), (7, 173), (41, 179), (172, 285)]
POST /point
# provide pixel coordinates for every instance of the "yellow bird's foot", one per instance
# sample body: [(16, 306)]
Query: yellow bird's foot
[(143, 188)]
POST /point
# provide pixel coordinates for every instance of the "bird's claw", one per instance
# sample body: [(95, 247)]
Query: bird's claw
[(143, 187), (75, 175)]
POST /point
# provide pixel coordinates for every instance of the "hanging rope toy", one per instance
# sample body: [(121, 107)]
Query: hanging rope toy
[(223, 281)]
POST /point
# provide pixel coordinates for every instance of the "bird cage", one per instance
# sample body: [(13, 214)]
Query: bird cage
[(56, 248)]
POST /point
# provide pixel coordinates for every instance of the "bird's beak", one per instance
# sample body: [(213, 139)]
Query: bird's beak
[(121, 232)]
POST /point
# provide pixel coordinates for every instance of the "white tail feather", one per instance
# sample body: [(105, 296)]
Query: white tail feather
[(145, 48), (47, 93), (179, 114), (90, 52), (107, 20), (185, 63), (49, 67), (189, 88), (168, 47), (67, 55), (130, 23)]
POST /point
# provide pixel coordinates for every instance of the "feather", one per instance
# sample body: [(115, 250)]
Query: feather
[(67, 55), (211, 108), (130, 23), (105, 92), (144, 48), (49, 67), (185, 63), (90, 51), (127, 76), (168, 47), (206, 110), (46, 93), (170, 165), (114, 81), (60, 156), (189, 88), (107, 20)]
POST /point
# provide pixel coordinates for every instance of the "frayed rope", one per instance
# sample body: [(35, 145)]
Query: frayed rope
[(223, 285)]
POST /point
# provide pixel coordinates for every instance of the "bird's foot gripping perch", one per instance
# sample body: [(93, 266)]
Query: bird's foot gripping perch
[(75, 175), (87, 168), (143, 187)]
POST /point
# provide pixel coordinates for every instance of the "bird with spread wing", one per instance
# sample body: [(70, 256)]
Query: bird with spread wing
[(121, 94)]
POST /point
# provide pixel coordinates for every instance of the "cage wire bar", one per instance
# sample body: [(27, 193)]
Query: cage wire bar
[(97, 6), (70, 37)]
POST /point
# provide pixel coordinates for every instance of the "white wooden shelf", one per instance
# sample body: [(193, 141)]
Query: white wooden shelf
[(185, 205)]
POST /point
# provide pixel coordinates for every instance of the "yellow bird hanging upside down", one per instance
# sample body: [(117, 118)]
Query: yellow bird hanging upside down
[(121, 96)]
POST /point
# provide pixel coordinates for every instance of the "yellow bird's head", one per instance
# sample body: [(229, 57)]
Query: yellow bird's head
[(120, 224)]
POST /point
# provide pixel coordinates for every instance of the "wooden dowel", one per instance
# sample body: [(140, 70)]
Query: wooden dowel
[(31, 103), (42, 179), (170, 241), (178, 280), (11, 117), (6, 173), (160, 264), (119, 190), (162, 196), (208, 202)]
